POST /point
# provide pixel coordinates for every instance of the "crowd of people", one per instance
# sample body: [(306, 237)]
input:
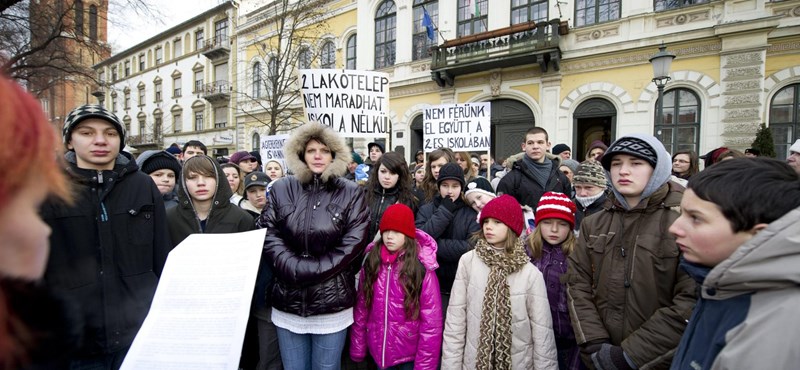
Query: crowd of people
[(633, 258)]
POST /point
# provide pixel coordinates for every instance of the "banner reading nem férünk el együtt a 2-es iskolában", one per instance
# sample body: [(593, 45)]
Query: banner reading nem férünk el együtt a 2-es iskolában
[(460, 127), (354, 103)]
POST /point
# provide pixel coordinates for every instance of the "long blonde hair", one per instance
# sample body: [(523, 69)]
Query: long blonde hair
[(535, 243)]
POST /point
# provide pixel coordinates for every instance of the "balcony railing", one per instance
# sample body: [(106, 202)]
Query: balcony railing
[(217, 48), (520, 44), (145, 139), (217, 91)]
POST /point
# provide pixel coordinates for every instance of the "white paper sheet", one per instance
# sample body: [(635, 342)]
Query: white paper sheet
[(201, 306)]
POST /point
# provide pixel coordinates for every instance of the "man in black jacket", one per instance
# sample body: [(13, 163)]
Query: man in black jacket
[(107, 248), (536, 173)]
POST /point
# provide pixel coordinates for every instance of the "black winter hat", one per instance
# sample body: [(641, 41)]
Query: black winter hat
[(370, 145), (87, 111), (161, 160), (451, 171), (480, 185), (630, 146), (559, 148)]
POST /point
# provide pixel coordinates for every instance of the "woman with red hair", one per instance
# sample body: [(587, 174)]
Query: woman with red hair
[(34, 330)]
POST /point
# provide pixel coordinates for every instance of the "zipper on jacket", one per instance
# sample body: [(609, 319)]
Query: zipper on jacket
[(100, 176), (310, 213), (386, 316)]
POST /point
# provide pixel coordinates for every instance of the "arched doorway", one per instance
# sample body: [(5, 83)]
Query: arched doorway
[(510, 120), (416, 136), (595, 119)]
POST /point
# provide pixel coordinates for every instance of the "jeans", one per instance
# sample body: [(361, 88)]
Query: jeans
[(311, 351)]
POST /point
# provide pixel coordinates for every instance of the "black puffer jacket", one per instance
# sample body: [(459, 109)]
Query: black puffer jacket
[(452, 231), (108, 250), (521, 184), (381, 199), (224, 217), (316, 230)]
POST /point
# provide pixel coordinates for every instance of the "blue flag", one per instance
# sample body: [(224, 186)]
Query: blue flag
[(428, 24)]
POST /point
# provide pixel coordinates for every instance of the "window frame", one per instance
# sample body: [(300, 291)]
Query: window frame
[(529, 8), (327, 55), (472, 24), (596, 13), (420, 42), (782, 148), (351, 53), (673, 113), (386, 16)]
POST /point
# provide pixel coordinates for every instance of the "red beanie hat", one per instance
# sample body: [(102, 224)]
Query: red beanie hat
[(505, 209), (400, 218), (556, 205)]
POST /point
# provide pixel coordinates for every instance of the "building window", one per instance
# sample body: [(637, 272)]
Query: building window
[(528, 10), (351, 52), (472, 17), (127, 68), (385, 32), (176, 87), (141, 62), (127, 122), (258, 82), (272, 75), (198, 81), (675, 4), (127, 99), (198, 121), (159, 55), (220, 117), (114, 74), (256, 143), (102, 77), (198, 40), (588, 12), (157, 125), (177, 48), (141, 96), (157, 92), (78, 17), (304, 58), (177, 122), (221, 32), (93, 22), (421, 42), (784, 122), (680, 127), (327, 56), (114, 103), (142, 123)]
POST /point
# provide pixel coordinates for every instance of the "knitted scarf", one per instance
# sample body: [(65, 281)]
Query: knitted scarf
[(494, 347)]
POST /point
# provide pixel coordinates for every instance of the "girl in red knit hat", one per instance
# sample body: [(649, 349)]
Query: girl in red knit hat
[(398, 313), (549, 245), (499, 317)]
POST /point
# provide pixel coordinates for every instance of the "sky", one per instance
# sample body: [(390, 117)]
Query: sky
[(126, 28)]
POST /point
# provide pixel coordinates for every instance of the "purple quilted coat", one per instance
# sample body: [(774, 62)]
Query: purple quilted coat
[(385, 331)]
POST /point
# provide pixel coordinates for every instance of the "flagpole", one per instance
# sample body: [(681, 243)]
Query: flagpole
[(425, 10)]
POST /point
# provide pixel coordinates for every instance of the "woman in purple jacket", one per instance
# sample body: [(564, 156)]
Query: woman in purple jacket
[(398, 315)]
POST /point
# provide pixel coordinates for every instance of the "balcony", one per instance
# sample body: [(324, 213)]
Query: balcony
[(144, 140), (216, 92), (217, 48), (520, 44)]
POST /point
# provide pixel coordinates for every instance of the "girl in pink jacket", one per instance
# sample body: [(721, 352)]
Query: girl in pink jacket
[(398, 315)]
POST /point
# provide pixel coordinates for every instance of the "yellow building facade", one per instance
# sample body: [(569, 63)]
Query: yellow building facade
[(581, 70)]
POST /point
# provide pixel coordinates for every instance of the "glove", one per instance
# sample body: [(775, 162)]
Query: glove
[(593, 346), (611, 358), (448, 204)]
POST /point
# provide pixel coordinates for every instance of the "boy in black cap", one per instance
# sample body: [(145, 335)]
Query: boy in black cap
[(255, 193), (110, 245)]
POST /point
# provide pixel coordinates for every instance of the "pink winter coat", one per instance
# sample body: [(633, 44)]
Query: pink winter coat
[(385, 331)]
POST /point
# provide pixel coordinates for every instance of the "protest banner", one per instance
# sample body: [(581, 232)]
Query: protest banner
[(460, 127), (272, 149), (353, 103)]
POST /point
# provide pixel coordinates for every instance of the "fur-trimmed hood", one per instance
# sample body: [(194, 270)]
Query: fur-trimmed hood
[(296, 145)]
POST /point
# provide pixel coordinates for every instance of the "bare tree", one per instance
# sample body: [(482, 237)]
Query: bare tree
[(45, 42), (271, 94)]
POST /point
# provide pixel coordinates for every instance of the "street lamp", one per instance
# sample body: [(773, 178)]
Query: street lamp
[(661, 61)]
